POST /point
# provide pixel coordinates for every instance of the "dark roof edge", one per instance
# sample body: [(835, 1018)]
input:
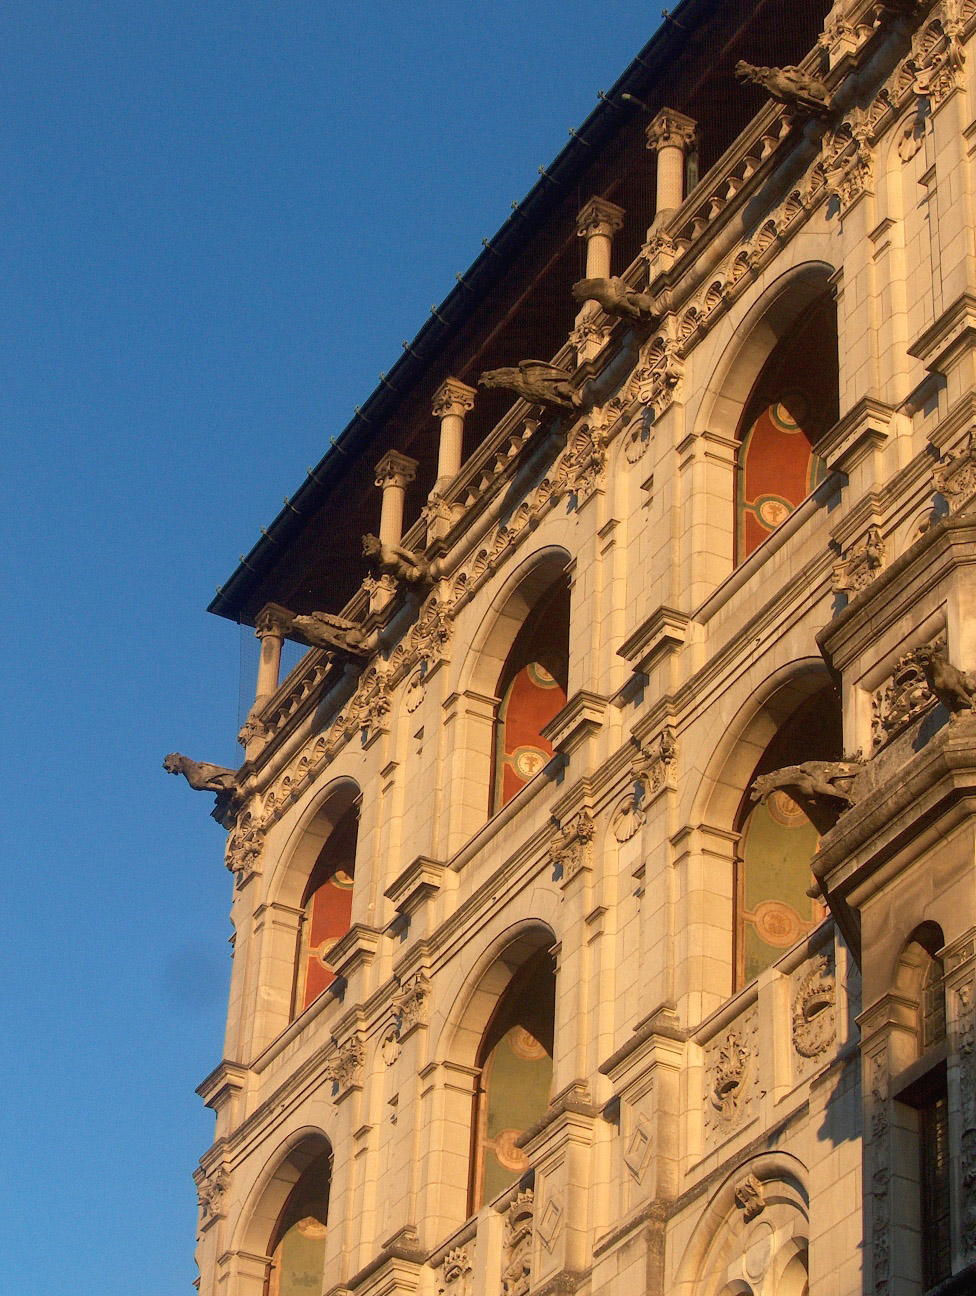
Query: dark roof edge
[(473, 285)]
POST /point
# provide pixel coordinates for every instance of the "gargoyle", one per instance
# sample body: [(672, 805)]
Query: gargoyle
[(617, 298), (335, 633), (802, 93), (394, 560), (955, 689), (201, 775), (822, 788), (536, 381)]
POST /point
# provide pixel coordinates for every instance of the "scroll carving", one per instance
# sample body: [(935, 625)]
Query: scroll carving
[(729, 1071), (455, 1272)]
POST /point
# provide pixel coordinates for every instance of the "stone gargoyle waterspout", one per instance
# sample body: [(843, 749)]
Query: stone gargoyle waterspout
[(617, 297), (536, 381), (204, 777), (803, 94), (393, 560), (823, 789)]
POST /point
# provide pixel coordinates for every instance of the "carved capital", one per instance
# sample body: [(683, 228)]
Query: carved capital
[(671, 129), (861, 564), (345, 1067), (395, 469), (571, 848), (273, 619), (599, 216), (452, 397)]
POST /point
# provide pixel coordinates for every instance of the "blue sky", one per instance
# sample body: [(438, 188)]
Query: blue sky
[(219, 221)]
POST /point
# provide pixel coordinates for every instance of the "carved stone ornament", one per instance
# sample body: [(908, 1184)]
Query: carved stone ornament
[(729, 1074), (628, 818), (395, 561), (803, 94), (550, 1218), (411, 1003), (570, 850), (599, 216), (955, 689), (880, 1172), (902, 698), (660, 252), (452, 397), (830, 781), (431, 634), (582, 469), (390, 1047), (637, 438), (244, 847), (395, 469), (517, 1246), (656, 763), (814, 1024), (936, 67), (670, 129), (617, 298), (589, 337), (455, 1272), (204, 777), (656, 382), (536, 381), (750, 1197), (345, 1067), (640, 1146), (955, 477), (211, 1193), (860, 565), (253, 730), (848, 160), (413, 694), (333, 633)]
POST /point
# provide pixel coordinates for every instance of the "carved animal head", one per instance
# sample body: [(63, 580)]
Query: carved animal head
[(762, 787), (173, 763), (499, 377), (372, 546)]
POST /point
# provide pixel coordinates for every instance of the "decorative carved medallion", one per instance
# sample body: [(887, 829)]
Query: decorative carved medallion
[(517, 1246), (244, 846), (814, 1024)]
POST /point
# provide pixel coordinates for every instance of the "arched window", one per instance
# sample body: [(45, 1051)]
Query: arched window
[(794, 401), (297, 1246), (515, 1062), (326, 910), (532, 691), (920, 977), (777, 842)]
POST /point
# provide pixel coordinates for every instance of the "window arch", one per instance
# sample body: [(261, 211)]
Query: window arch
[(515, 1077), (793, 402), (777, 840), (326, 910), (532, 690), (924, 1102), (297, 1244)]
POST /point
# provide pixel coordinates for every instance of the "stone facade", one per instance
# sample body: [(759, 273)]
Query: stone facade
[(708, 1131)]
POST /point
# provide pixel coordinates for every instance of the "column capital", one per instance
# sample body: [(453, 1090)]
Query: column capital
[(599, 216), (395, 469), (273, 619), (671, 129), (452, 397)]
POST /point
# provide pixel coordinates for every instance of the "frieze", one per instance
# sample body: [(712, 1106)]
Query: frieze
[(861, 564), (902, 698), (517, 1245)]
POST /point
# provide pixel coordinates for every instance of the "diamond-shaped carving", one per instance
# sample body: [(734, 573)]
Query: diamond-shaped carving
[(548, 1224), (639, 1148)]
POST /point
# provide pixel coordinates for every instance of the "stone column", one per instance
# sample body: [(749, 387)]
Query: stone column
[(670, 134), (452, 400), (597, 222), (394, 473), (268, 629)]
